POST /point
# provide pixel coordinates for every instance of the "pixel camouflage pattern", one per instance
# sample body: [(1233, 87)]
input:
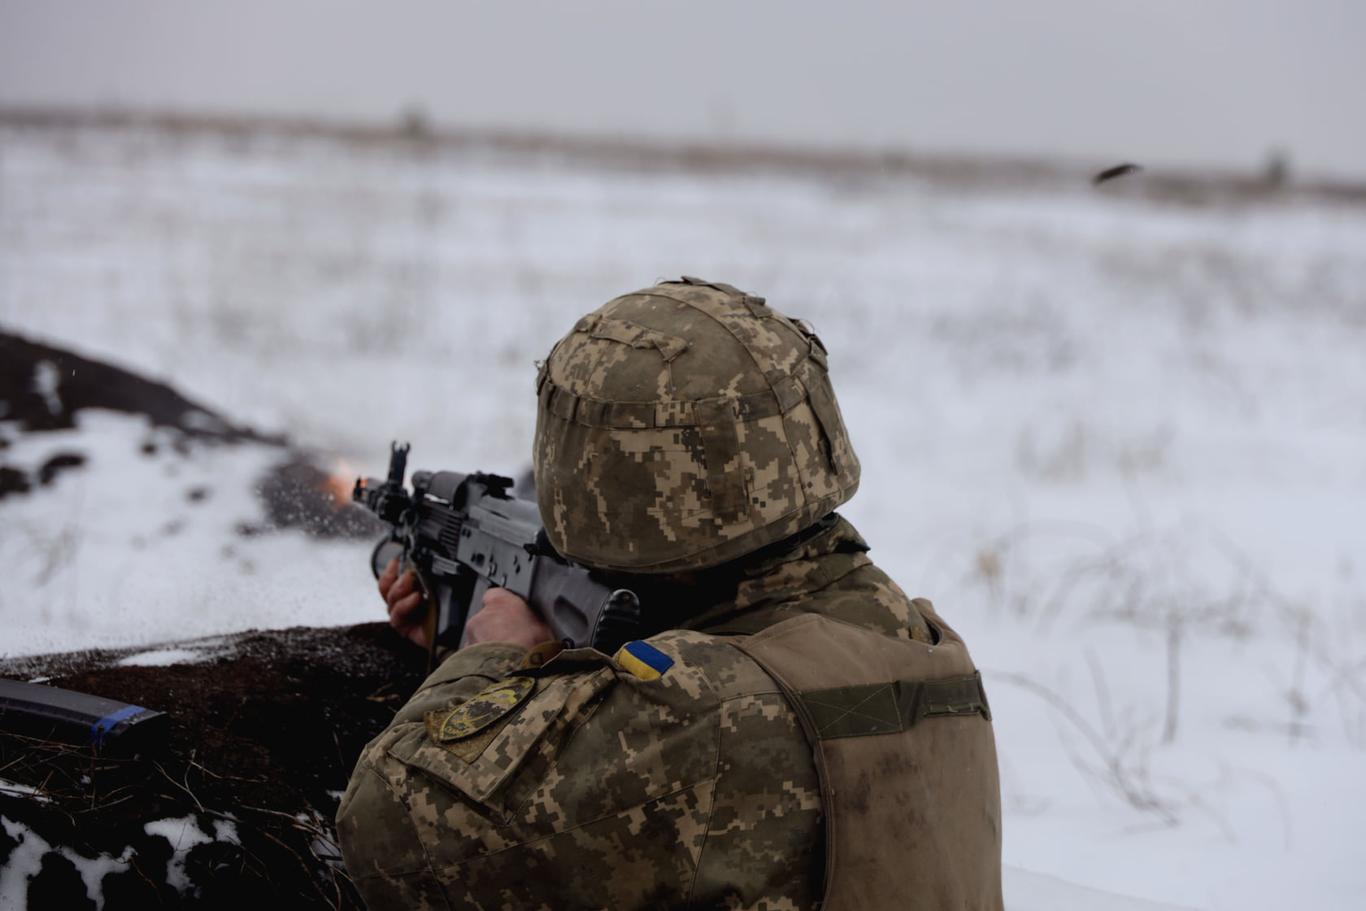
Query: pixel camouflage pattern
[(683, 426), (605, 790)]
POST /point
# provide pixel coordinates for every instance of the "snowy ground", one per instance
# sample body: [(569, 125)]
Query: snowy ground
[(1121, 443)]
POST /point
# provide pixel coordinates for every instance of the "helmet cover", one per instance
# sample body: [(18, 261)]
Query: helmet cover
[(683, 426)]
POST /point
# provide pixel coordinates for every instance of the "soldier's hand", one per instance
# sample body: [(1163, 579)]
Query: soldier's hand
[(405, 602), (505, 617)]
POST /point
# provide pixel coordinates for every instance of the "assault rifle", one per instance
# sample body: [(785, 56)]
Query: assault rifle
[(465, 533)]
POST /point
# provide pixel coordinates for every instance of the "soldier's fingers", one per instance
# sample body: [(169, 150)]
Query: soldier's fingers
[(405, 611), (387, 577), (402, 588), (502, 599), (402, 609), (505, 617)]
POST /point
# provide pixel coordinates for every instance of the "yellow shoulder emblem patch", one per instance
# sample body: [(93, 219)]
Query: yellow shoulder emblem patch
[(479, 711)]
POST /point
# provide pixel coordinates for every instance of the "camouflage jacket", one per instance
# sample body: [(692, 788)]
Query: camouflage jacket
[(680, 780)]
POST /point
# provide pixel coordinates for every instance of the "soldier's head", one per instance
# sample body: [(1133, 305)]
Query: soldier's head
[(683, 426)]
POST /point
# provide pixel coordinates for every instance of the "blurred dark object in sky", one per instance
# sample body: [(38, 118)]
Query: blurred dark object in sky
[(1119, 170)]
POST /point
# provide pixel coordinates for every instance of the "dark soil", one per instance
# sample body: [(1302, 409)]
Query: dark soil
[(78, 382), (13, 480), (44, 388), (263, 736)]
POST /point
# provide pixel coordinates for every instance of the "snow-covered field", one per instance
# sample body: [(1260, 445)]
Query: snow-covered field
[(1121, 443)]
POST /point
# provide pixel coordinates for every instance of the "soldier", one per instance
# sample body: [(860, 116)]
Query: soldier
[(790, 731)]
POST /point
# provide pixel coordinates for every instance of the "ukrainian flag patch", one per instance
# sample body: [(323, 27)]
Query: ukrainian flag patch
[(643, 660)]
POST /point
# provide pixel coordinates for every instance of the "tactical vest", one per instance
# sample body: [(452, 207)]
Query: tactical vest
[(903, 744)]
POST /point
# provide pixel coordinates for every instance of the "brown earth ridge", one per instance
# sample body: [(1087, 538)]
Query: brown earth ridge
[(264, 732), (637, 154)]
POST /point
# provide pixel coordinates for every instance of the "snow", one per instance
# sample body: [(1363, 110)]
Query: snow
[(1030, 891), (45, 383), (161, 657), (1120, 442), (27, 859), (123, 555), (184, 835)]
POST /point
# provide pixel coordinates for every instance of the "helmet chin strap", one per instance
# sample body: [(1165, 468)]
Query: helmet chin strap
[(675, 596)]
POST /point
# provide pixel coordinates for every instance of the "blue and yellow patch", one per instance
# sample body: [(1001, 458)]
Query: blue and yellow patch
[(643, 660)]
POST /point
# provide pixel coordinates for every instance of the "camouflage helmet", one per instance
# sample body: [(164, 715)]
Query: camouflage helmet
[(685, 425)]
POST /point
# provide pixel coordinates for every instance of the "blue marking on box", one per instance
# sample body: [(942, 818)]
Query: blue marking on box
[(106, 724)]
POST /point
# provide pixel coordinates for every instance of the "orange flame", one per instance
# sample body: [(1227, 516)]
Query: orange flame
[(340, 482)]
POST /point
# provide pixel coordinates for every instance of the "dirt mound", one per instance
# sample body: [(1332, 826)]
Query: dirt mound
[(264, 730), (43, 388)]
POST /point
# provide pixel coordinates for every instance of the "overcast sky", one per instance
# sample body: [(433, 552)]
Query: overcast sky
[(1218, 82)]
